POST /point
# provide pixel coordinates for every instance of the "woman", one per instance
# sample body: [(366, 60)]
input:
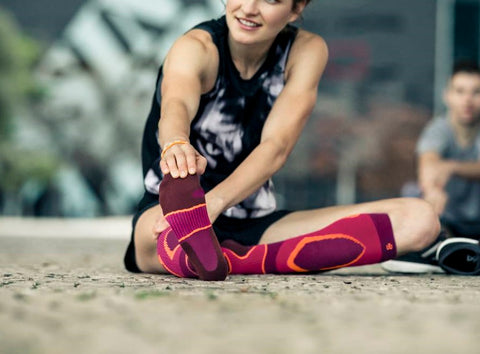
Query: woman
[(231, 101)]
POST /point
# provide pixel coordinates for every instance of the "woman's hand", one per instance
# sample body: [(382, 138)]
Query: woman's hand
[(160, 224), (180, 159)]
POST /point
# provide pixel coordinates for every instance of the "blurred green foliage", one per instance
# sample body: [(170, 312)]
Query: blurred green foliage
[(18, 90), (17, 56)]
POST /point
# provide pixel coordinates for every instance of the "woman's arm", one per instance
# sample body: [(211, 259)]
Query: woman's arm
[(189, 70), (283, 126)]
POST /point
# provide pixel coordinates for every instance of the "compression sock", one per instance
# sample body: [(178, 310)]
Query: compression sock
[(172, 256), (352, 241), (183, 204)]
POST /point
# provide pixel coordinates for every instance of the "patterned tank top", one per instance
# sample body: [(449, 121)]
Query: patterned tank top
[(229, 121)]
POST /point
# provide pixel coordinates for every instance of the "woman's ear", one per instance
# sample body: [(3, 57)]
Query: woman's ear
[(297, 11)]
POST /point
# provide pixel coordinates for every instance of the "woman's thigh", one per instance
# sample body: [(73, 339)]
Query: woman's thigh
[(146, 241), (414, 223)]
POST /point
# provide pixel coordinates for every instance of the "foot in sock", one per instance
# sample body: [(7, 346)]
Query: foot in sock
[(183, 204), (172, 257)]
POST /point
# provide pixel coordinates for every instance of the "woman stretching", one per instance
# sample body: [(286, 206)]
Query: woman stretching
[(230, 103)]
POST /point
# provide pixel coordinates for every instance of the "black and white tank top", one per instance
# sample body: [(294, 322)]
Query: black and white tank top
[(229, 121)]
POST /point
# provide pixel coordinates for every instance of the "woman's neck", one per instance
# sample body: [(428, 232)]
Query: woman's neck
[(248, 58)]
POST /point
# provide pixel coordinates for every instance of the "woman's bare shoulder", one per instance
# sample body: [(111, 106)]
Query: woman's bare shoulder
[(309, 53), (311, 42), (195, 49)]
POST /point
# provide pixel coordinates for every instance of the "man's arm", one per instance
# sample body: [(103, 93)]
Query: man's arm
[(433, 176), (470, 170), (435, 171)]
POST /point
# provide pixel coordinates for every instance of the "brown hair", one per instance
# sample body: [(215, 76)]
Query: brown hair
[(466, 66), (296, 2)]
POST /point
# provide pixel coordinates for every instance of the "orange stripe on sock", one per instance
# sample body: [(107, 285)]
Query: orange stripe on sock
[(168, 269), (245, 256), (264, 258), (188, 266), (194, 231), (253, 249), (228, 262), (186, 210), (305, 241), (170, 252)]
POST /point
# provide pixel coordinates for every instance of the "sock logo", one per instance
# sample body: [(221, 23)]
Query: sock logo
[(198, 193)]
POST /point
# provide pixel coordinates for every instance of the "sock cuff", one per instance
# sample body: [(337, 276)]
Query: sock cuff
[(385, 234), (187, 222)]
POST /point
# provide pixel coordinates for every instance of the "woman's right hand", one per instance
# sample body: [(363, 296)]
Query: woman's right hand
[(160, 224), (182, 159)]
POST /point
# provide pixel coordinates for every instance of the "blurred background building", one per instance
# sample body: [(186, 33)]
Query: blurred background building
[(77, 78)]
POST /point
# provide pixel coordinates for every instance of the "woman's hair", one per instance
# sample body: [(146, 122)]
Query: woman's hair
[(296, 2)]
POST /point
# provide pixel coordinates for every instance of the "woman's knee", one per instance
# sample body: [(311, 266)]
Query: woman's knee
[(417, 223)]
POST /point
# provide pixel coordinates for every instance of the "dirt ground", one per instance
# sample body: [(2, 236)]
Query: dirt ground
[(72, 295)]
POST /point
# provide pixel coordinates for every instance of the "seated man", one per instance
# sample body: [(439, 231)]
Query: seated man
[(449, 174)]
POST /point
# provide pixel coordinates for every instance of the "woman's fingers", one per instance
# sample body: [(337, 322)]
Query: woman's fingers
[(201, 164), (181, 167), (164, 167), (191, 161), (181, 160)]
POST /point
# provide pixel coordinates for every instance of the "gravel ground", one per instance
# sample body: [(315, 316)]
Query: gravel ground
[(69, 295)]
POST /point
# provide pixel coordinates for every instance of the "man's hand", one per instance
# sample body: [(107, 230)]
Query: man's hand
[(437, 198)]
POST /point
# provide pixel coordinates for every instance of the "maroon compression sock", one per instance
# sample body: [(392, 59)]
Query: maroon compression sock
[(351, 241), (172, 257), (183, 204)]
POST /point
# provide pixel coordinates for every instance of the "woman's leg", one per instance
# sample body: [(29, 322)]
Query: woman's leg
[(329, 238), (414, 223), (146, 242), (337, 237)]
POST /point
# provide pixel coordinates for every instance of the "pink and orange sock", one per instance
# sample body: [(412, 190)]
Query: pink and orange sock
[(183, 204), (352, 241)]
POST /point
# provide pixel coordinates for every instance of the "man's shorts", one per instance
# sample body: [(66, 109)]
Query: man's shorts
[(247, 232)]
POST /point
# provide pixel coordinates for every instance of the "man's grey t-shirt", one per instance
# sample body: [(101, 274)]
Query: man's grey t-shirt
[(464, 194)]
